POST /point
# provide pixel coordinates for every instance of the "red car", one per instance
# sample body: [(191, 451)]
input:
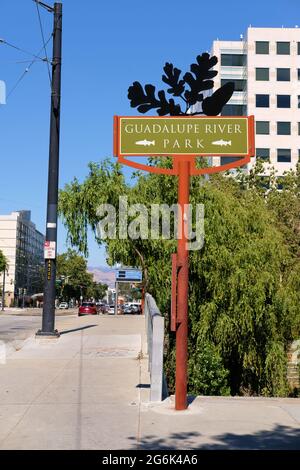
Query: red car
[(87, 308)]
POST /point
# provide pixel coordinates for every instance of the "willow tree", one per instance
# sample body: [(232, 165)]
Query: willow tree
[(241, 321)]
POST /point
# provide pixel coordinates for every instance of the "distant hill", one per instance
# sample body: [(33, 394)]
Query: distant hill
[(103, 274)]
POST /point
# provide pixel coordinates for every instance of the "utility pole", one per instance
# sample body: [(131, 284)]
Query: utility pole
[(48, 322)]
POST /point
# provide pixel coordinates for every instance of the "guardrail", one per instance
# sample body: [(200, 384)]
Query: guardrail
[(155, 324)]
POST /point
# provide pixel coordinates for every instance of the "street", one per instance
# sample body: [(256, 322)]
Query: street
[(17, 327)]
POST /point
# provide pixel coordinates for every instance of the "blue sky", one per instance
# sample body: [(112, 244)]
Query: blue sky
[(106, 46)]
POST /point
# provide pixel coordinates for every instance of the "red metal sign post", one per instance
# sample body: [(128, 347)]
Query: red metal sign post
[(184, 167), (182, 285)]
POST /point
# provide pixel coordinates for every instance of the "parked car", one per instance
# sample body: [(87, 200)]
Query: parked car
[(87, 308), (63, 306), (111, 310), (127, 310), (104, 308), (133, 309)]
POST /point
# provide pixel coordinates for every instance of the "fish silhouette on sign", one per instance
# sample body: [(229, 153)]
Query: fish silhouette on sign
[(145, 143), (222, 143)]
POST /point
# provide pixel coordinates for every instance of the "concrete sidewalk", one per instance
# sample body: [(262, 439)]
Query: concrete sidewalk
[(89, 389), (76, 392)]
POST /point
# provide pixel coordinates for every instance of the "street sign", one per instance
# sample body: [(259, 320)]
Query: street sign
[(183, 138), (49, 250), (184, 135), (128, 275)]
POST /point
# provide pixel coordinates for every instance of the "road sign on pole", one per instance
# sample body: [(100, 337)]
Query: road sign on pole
[(183, 138), (49, 250), (127, 275)]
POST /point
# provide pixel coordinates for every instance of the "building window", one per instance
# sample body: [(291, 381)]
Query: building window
[(284, 101), (262, 127), (283, 48), (239, 85), (262, 47), (262, 74), (298, 128), (298, 74), (263, 154), (283, 128), (284, 155), (262, 101), (283, 75), (298, 45), (234, 110), (233, 60), (298, 101), (225, 160)]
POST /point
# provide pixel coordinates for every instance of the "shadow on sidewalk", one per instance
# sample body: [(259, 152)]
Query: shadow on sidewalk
[(77, 329), (278, 438)]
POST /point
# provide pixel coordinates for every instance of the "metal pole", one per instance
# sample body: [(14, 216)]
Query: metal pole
[(182, 287), (51, 227), (3, 292)]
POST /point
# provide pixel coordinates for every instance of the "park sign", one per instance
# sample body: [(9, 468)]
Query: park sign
[(184, 135)]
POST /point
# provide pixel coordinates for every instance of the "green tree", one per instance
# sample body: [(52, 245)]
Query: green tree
[(73, 275), (97, 290), (243, 307), (3, 267), (3, 262)]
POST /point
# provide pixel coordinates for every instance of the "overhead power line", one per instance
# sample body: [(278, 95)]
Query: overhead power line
[(43, 39), (14, 62), (2, 41), (28, 68)]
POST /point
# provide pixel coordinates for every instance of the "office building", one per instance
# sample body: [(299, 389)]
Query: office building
[(265, 67), (22, 244)]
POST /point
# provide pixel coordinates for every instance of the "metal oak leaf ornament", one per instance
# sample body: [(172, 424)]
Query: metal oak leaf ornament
[(189, 88)]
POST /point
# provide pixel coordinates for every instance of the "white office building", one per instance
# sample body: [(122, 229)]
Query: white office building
[(22, 245), (265, 67)]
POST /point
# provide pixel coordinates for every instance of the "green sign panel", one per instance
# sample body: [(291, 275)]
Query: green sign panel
[(183, 136)]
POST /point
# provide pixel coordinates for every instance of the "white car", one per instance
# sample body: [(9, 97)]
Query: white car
[(63, 306), (111, 310)]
